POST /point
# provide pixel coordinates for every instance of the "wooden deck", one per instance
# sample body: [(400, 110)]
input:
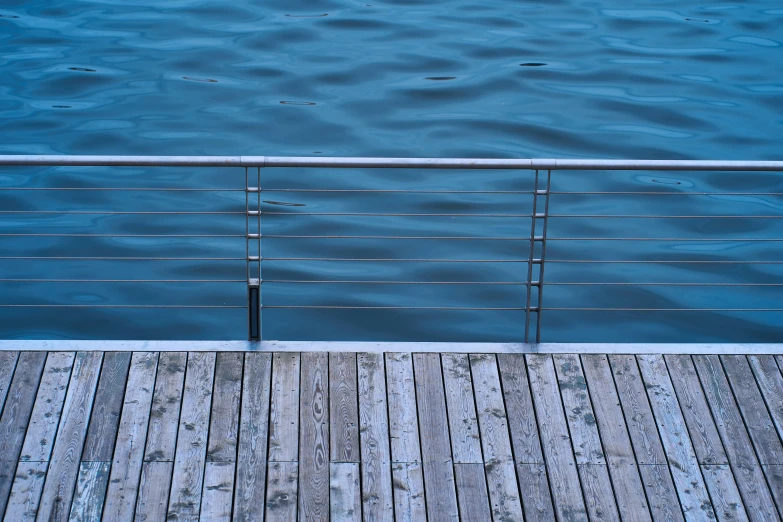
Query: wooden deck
[(282, 436)]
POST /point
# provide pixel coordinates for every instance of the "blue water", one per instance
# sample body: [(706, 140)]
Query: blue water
[(656, 80)]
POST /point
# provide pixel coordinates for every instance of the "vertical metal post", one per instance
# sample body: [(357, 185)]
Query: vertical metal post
[(253, 244), (537, 255)]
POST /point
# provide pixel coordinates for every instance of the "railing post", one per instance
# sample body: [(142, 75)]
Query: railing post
[(253, 255), (537, 256)]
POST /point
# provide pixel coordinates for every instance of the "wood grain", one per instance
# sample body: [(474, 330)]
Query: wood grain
[(281, 491), (314, 437), (598, 494), (284, 409), (343, 408), (102, 432), (26, 493), (154, 490), (224, 419), (770, 383), (472, 493), (345, 495), (534, 487), (166, 404), (661, 494), (463, 423), (7, 366), (409, 502), (218, 491), (403, 422), (90, 492), (519, 406), (726, 499)]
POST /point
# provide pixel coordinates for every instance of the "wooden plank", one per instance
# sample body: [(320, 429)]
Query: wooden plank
[(253, 431), (661, 494), (129, 451), (284, 409), (281, 491), (187, 480), (7, 366), (26, 493), (439, 484), (166, 403), (461, 408), (218, 491), (534, 487), (747, 472), (314, 437), (345, 496), (403, 422), (377, 496), (49, 402), (556, 441), (343, 408), (495, 440), (154, 490), (90, 491), (691, 490), (106, 409), (774, 474), (701, 427), (618, 452), (770, 383), (723, 490), (472, 493), (16, 416), (753, 409), (224, 419), (64, 464), (597, 489), (409, 501), (519, 406)]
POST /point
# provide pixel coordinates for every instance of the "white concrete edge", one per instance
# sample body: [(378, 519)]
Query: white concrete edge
[(362, 346)]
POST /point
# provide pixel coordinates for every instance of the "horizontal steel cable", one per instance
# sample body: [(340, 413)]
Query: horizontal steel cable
[(346, 307), (108, 258), (287, 281), (131, 189), (33, 280), (120, 235), (601, 309), (464, 238), (660, 284), (113, 306), (395, 260), (384, 214), (734, 239), (403, 191), (111, 212), (602, 216), (667, 261), (672, 193)]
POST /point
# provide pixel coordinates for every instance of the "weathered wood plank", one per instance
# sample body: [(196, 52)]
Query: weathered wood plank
[(691, 490), (472, 493), (253, 430), (218, 491), (495, 439), (16, 416), (770, 382), (284, 409), (90, 493), (555, 439), (154, 490), (536, 499), (314, 437), (519, 406), (64, 464), (739, 449), (661, 494), (281, 491), (753, 410), (106, 409), (774, 474), (129, 450), (701, 427), (26, 493), (7, 366), (439, 484), (628, 490), (48, 407), (166, 403), (377, 496), (597, 490), (345, 496), (723, 490), (224, 419), (461, 408), (409, 502), (343, 408), (187, 480), (403, 422)]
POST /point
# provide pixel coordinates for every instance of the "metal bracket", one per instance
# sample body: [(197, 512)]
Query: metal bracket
[(253, 244), (537, 258)]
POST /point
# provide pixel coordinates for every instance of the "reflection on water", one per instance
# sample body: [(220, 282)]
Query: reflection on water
[(398, 78)]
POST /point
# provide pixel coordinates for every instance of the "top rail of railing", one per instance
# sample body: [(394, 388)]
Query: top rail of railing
[(421, 163)]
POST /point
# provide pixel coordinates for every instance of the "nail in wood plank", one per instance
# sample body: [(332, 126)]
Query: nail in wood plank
[(253, 431), (7, 367), (102, 432), (218, 491), (463, 423), (16, 415), (64, 464), (154, 490), (694, 500), (403, 422), (281, 491), (49, 403), (90, 493), (345, 497), (723, 490), (26, 493), (556, 442), (314, 437), (224, 420), (534, 486), (284, 414), (187, 480), (377, 496), (409, 505), (439, 483), (166, 402), (343, 408), (129, 451), (473, 496)]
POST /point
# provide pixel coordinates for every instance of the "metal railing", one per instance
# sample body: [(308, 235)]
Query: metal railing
[(542, 212)]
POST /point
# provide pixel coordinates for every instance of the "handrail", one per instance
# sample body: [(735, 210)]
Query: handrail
[(359, 162)]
